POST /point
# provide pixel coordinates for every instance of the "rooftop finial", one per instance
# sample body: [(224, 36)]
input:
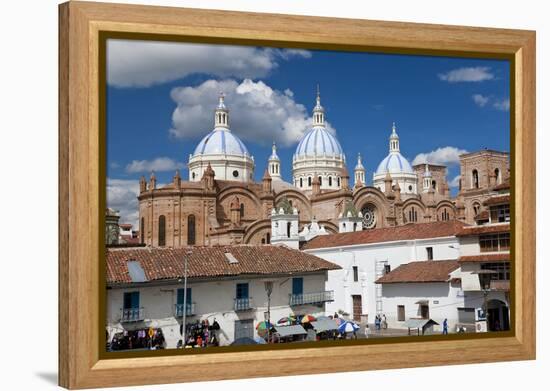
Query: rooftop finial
[(393, 128), (221, 100)]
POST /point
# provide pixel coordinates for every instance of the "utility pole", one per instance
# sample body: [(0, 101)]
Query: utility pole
[(184, 315)]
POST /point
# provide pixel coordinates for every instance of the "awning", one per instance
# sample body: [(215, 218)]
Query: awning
[(419, 323), (422, 302), (285, 331), (324, 325), (485, 271)]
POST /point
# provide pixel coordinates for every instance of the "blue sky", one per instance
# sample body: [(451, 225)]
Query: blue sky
[(160, 99)]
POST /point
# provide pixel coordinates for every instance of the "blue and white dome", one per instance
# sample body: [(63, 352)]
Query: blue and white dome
[(221, 141), (394, 163), (319, 142)]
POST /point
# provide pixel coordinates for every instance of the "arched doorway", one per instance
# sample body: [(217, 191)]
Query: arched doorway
[(499, 315)]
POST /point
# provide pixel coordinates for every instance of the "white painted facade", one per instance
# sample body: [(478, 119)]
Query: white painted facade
[(212, 299), (370, 260)]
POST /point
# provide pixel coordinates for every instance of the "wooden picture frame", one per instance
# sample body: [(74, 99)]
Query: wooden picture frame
[(80, 171)]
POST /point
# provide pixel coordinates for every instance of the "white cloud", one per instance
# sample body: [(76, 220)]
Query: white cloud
[(467, 74), (258, 113), (132, 63), (455, 182), (502, 104), (480, 100), (445, 156), (159, 164), (122, 196)]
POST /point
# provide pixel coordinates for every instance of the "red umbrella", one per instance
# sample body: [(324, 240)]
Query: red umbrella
[(308, 318)]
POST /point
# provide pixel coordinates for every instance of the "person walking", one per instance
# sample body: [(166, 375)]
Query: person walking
[(445, 327), (377, 322), (384, 322), (367, 331)]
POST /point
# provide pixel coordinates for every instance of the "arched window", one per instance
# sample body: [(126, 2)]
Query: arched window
[(162, 231), (309, 181), (191, 229), (413, 216), (301, 182), (338, 181), (476, 207), (142, 230), (330, 181), (434, 185), (497, 176), (242, 210), (288, 230), (444, 215), (263, 240), (268, 238), (475, 179), (320, 181)]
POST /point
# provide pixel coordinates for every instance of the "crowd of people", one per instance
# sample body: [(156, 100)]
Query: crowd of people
[(149, 338), (200, 334)]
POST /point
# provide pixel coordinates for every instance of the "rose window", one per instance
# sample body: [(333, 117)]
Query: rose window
[(369, 217)]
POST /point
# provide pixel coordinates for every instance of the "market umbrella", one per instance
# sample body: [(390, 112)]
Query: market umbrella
[(244, 341), (263, 327), (339, 321), (308, 318), (348, 327), (323, 317), (286, 320)]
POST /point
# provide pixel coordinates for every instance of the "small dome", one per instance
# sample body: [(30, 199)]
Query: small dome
[(318, 142), (394, 163), (221, 141)]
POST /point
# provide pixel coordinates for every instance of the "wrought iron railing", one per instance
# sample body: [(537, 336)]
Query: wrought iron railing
[(243, 304), (132, 315), (311, 298), (190, 309)]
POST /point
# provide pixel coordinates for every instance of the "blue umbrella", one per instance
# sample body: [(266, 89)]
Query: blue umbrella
[(348, 327)]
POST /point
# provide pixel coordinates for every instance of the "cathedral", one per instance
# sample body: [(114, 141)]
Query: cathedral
[(220, 203)]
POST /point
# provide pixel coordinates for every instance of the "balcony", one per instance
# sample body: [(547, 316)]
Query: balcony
[(311, 298), (500, 285), (243, 304), (132, 315), (189, 311)]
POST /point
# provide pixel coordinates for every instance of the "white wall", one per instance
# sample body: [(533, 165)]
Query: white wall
[(365, 258), (443, 300), (213, 299)]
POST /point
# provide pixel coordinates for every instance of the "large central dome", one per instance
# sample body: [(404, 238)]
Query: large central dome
[(319, 156), (319, 142), (224, 152)]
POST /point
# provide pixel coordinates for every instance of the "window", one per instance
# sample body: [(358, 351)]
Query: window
[(301, 182), (242, 291), (338, 181), (501, 270), (142, 230), (430, 253), (330, 181), (355, 273), (494, 242), (424, 311), (242, 210), (500, 213), (268, 238), (235, 173), (162, 230), (193, 175), (476, 208), (413, 215), (387, 269), (445, 215), (297, 286), (191, 229), (288, 225), (320, 181), (497, 176), (466, 315), (401, 313), (131, 300), (309, 181), (434, 185), (410, 187), (263, 240), (180, 297), (475, 179)]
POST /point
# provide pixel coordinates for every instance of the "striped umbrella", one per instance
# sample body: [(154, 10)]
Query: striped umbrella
[(308, 318), (288, 320), (262, 328), (348, 327)]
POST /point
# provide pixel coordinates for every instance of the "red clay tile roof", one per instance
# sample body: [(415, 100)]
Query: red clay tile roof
[(484, 229), (403, 232), (167, 263), (421, 271), (125, 225), (496, 200), (502, 257)]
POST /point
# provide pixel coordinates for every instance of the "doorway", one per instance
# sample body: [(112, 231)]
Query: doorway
[(357, 307)]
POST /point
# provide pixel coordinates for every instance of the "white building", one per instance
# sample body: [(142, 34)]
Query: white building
[(423, 290), (318, 155), (223, 150), (365, 256), (225, 283)]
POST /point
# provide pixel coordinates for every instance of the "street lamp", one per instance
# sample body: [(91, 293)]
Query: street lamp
[(184, 315), (268, 289)]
